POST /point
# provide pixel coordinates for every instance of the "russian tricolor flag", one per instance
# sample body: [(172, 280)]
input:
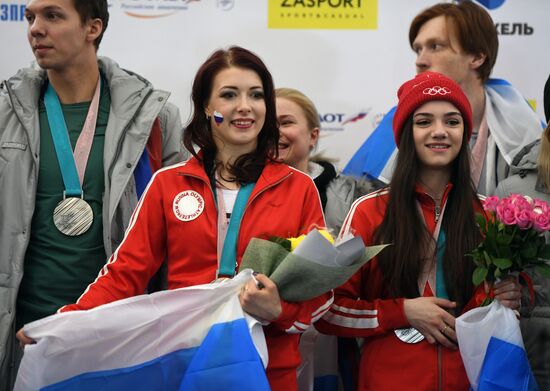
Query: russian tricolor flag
[(195, 338), (491, 346)]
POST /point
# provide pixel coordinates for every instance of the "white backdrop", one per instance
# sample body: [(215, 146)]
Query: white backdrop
[(345, 72)]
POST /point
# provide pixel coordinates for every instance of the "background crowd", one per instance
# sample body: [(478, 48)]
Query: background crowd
[(116, 218)]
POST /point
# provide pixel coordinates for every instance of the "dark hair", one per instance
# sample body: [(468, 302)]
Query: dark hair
[(402, 263), (248, 167), (472, 26), (93, 9)]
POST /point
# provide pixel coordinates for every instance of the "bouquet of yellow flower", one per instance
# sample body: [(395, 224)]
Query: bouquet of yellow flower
[(307, 266)]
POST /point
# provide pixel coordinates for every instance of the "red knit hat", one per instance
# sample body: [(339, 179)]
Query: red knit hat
[(426, 87)]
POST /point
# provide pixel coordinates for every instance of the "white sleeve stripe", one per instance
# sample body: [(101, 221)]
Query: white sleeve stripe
[(294, 330), (314, 186), (301, 325), (347, 222), (132, 222), (352, 323), (324, 308), (354, 311)]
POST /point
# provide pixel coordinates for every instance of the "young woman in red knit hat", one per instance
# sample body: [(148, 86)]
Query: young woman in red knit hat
[(405, 301)]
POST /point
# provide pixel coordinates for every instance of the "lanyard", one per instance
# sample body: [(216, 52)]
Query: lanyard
[(228, 260), (72, 165), (432, 273)]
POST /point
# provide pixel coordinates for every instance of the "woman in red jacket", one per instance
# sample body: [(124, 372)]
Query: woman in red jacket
[(200, 215), (405, 301)]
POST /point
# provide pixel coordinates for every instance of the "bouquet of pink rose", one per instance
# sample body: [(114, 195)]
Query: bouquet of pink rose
[(489, 336), (513, 230)]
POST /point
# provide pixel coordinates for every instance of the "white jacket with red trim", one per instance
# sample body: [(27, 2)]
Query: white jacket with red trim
[(176, 219), (363, 308)]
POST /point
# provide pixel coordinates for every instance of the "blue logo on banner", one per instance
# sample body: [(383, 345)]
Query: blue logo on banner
[(12, 12), (491, 4)]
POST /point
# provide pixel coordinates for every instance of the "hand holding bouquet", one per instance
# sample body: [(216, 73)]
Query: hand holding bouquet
[(513, 231)]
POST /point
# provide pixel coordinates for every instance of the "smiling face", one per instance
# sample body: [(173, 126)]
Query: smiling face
[(57, 36), (297, 139), (237, 94), (438, 129), (438, 50)]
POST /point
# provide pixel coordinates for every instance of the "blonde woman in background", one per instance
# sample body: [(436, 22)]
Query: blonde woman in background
[(299, 128)]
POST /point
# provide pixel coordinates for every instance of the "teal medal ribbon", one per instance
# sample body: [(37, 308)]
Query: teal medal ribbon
[(228, 261), (62, 143), (411, 335), (72, 216), (440, 287)]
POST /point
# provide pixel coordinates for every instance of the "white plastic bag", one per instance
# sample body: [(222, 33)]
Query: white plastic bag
[(491, 346)]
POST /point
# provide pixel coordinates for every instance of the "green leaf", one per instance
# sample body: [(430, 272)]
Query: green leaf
[(504, 240), (545, 252), (284, 243), (529, 250), (544, 270), (481, 222), (486, 301), (497, 273), (502, 263), (488, 259), (479, 275)]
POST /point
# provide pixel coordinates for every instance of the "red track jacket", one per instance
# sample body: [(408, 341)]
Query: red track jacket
[(176, 220), (362, 308)]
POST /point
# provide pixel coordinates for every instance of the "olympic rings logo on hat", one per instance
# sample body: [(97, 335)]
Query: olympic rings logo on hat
[(436, 90)]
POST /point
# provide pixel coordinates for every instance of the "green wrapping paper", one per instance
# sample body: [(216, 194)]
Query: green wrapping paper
[(297, 278)]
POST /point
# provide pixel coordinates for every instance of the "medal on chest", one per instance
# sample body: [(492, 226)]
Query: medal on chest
[(72, 216), (409, 335)]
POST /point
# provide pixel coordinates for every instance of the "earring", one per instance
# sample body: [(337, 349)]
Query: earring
[(208, 116)]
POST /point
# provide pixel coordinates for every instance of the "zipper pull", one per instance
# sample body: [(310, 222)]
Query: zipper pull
[(437, 213)]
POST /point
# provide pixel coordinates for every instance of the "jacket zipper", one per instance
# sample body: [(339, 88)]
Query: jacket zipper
[(437, 212), (437, 208)]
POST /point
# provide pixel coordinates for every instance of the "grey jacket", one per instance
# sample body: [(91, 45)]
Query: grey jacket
[(341, 192), (535, 320), (134, 106)]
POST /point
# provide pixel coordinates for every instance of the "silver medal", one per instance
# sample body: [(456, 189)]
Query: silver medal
[(409, 335), (73, 216)]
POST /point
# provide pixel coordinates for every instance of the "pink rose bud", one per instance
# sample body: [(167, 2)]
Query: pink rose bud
[(490, 203), (506, 213), (538, 203), (542, 222), (521, 202), (524, 219)]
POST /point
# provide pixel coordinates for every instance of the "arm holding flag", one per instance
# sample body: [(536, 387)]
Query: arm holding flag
[(137, 258)]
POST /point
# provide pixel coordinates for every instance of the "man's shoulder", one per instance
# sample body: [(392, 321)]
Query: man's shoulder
[(28, 76), (22, 87), (113, 71)]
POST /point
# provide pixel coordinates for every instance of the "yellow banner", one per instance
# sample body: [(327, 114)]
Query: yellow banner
[(323, 14)]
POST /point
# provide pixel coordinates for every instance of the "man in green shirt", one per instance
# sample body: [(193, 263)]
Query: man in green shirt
[(63, 213)]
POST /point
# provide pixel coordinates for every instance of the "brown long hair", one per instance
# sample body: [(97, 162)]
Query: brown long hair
[(472, 26), (402, 263), (248, 167)]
